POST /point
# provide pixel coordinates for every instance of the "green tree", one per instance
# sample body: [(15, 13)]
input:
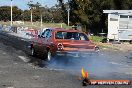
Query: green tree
[(26, 15), (90, 12), (35, 8), (64, 10), (5, 12), (56, 14), (16, 13), (127, 4)]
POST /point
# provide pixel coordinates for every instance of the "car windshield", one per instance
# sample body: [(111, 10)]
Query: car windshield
[(71, 35)]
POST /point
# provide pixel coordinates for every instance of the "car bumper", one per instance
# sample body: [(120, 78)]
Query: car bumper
[(75, 53)]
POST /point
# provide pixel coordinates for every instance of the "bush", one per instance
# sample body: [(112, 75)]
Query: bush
[(97, 38)]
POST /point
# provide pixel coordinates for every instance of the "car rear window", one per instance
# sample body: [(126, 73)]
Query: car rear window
[(71, 35)]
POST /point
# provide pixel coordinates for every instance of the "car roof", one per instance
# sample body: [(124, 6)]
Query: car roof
[(62, 29)]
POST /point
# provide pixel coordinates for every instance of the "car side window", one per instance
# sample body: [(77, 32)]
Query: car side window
[(42, 35), (83, 37), (45, 33), (48, 35), (59, 35)]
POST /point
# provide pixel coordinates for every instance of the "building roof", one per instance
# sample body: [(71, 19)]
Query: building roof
[(124, 12)]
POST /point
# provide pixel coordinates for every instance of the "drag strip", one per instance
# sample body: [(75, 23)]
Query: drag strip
[(15, 73), (104, 65), (15, 42), (20, 44)]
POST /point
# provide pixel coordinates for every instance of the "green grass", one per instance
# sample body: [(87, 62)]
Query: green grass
[(96, 38), (37, 25)]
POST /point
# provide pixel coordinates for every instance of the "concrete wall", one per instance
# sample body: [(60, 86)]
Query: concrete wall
[(119, 24), (113, 26), (119, 27), (125, 34)]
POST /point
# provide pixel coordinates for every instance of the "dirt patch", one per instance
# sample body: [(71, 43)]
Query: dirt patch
[(119, 47)]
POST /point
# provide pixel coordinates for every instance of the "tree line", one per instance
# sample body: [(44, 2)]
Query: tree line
[(87, 13), (52, 14), (90, 12)]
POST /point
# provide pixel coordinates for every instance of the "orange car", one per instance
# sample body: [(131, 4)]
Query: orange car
[(61, 42)]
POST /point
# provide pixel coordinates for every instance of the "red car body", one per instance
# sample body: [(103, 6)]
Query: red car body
[(62, 42)]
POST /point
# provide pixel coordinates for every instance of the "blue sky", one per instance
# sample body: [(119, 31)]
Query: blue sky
[(22, 4)]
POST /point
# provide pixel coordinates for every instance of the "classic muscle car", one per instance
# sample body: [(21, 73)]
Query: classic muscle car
[(61, 42)]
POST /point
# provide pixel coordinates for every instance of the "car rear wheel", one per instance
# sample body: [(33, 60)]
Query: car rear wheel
[(49, 56), (33, 53)]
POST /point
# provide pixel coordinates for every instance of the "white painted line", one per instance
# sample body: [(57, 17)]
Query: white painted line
[(9, 87), (23, 58), (4, 53), (56, 69), (120, 64), (115, 63), (36, 76)]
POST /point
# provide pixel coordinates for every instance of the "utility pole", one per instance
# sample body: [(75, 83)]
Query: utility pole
[(41, 20), (30, 3), (68, 10), (31, 16), (41, 14), (68, 16), (11, 13)]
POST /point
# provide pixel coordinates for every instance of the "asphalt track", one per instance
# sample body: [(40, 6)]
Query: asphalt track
[(19, 69)]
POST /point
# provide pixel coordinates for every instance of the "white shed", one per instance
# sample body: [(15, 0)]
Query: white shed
[(119, 24)]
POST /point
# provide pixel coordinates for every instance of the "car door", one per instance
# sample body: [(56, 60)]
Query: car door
[(48, 38), (44, 41), (37, 44), (41, 39)]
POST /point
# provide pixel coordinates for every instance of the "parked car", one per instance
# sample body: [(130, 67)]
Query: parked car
[(61, 42)]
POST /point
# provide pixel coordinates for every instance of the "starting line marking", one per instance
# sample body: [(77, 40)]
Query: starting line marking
[(23, 58)]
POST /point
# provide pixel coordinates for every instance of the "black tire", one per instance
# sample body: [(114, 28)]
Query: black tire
[(48, 56), (33, 53)]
